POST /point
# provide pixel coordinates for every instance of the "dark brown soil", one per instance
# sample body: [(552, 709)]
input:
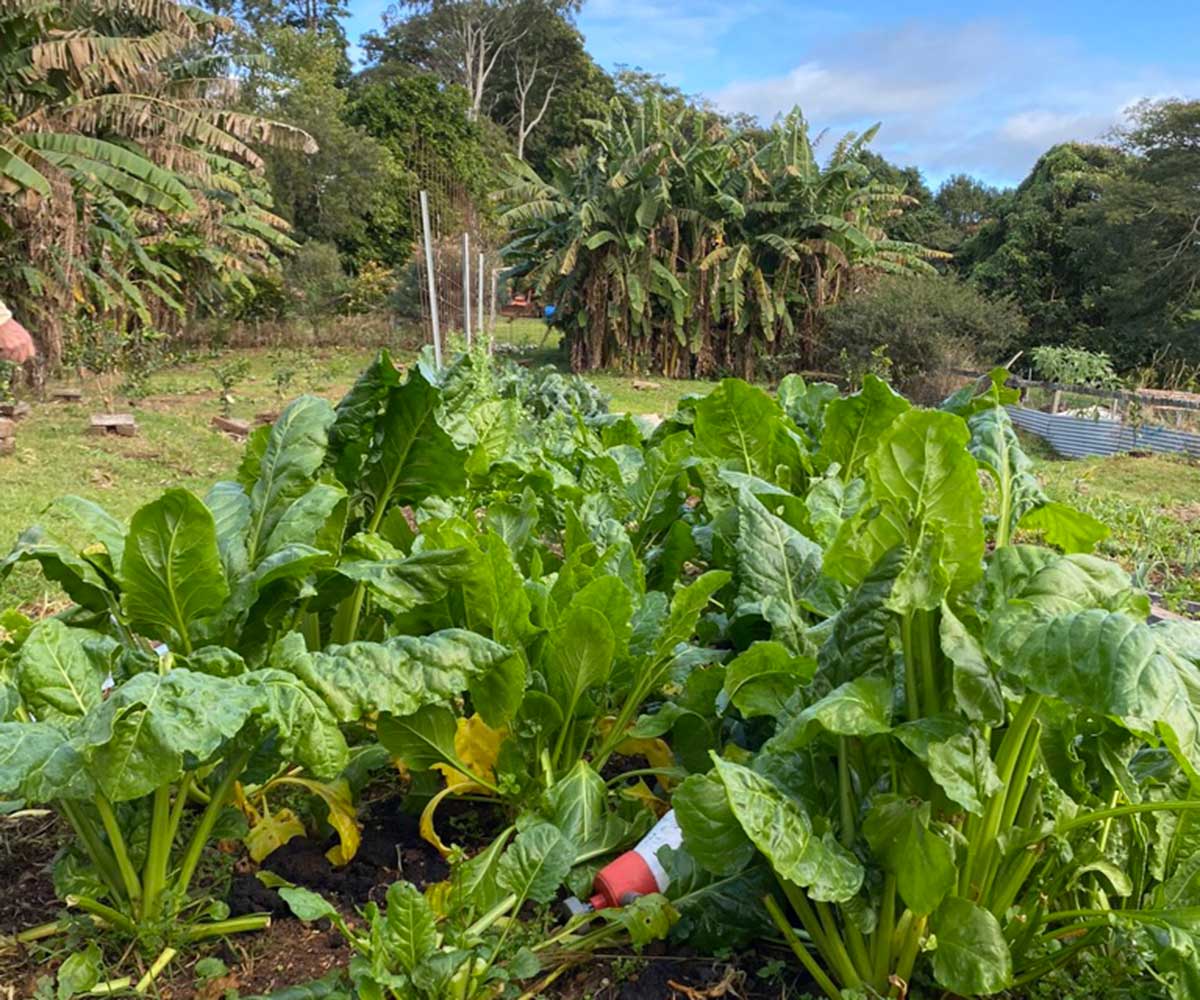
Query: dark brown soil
[(391, 849), (27, 848), (631, 977)]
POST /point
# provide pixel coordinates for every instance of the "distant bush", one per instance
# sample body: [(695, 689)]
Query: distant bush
[(1075, 366), (316, 282), (922, 325)]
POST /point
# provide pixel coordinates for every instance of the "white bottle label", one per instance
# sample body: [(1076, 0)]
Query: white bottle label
[(666, 833)]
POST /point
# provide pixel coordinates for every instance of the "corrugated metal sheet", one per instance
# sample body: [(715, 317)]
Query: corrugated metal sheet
[(1077, 437)]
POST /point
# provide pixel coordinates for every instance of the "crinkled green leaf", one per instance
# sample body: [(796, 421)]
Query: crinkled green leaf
[(976, 685), (397, 676), (153, 727), (922, 480), (776, 567), (61, 670), (304, 728), (1113, 665), (861, 707), (956, 756), (716, 912), (784, 833), (712, 834), (536, 863)]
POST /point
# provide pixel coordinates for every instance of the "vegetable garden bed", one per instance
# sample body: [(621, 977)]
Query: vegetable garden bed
[(441, 652)]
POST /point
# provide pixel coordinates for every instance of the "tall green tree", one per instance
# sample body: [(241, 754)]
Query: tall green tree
[(1035, 251), (350, 193)]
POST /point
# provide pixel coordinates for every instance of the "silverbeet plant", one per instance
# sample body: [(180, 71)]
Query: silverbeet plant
[(123, 769), (984, 760), (188, 612)]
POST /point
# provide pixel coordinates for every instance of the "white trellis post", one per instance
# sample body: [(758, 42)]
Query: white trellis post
[(492, 310), (479, 295), (467, 288), (433, 302)]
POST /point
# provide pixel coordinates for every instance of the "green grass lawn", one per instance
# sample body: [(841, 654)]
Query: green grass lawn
[(1151, 503)]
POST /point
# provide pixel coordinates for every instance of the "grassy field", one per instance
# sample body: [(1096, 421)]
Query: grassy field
[(1151, 503)]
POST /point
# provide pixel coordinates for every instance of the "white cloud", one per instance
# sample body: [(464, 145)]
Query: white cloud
[(975, 96)]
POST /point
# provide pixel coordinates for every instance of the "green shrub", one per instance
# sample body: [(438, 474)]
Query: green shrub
[(924, 324)]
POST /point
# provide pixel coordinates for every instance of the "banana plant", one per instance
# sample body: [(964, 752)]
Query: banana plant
[(111, 150), (673, 244)]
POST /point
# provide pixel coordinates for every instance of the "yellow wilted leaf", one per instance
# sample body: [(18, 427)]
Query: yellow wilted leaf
[(428, 832), (272, 832), (477, 745), (342, 815), (641, 793)]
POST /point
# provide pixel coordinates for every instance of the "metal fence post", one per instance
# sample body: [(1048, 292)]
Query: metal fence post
[(433, 302)]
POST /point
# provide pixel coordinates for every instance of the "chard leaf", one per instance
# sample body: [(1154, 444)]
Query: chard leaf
[(61, 670), (972, 957), (229, 504), (762, 679), (79, 973), (861, 707), (807, 404), (422, 739), (295, 451), (716, 911), (648, 918), (853, 425), (475, 880), (398, 676), (171, 572), (308, 905), (860, 640), (899, 833), (784, 833), (776, 567), (1022, 502), (353, 427), (305, 520), (59, 562), (922, 483), (1113, 665), (1070, 529), (154, 726), (657, 492), (536, 863), (956, 756), (39, 764), (407, 582), (305, 731), (576, 805), (1049, 584), (578, 656), (411, 456), (712, 834), (409, 930), (742, 427), (977, 688)]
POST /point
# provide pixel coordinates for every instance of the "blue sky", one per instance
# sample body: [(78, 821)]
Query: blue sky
[(981, 88)]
